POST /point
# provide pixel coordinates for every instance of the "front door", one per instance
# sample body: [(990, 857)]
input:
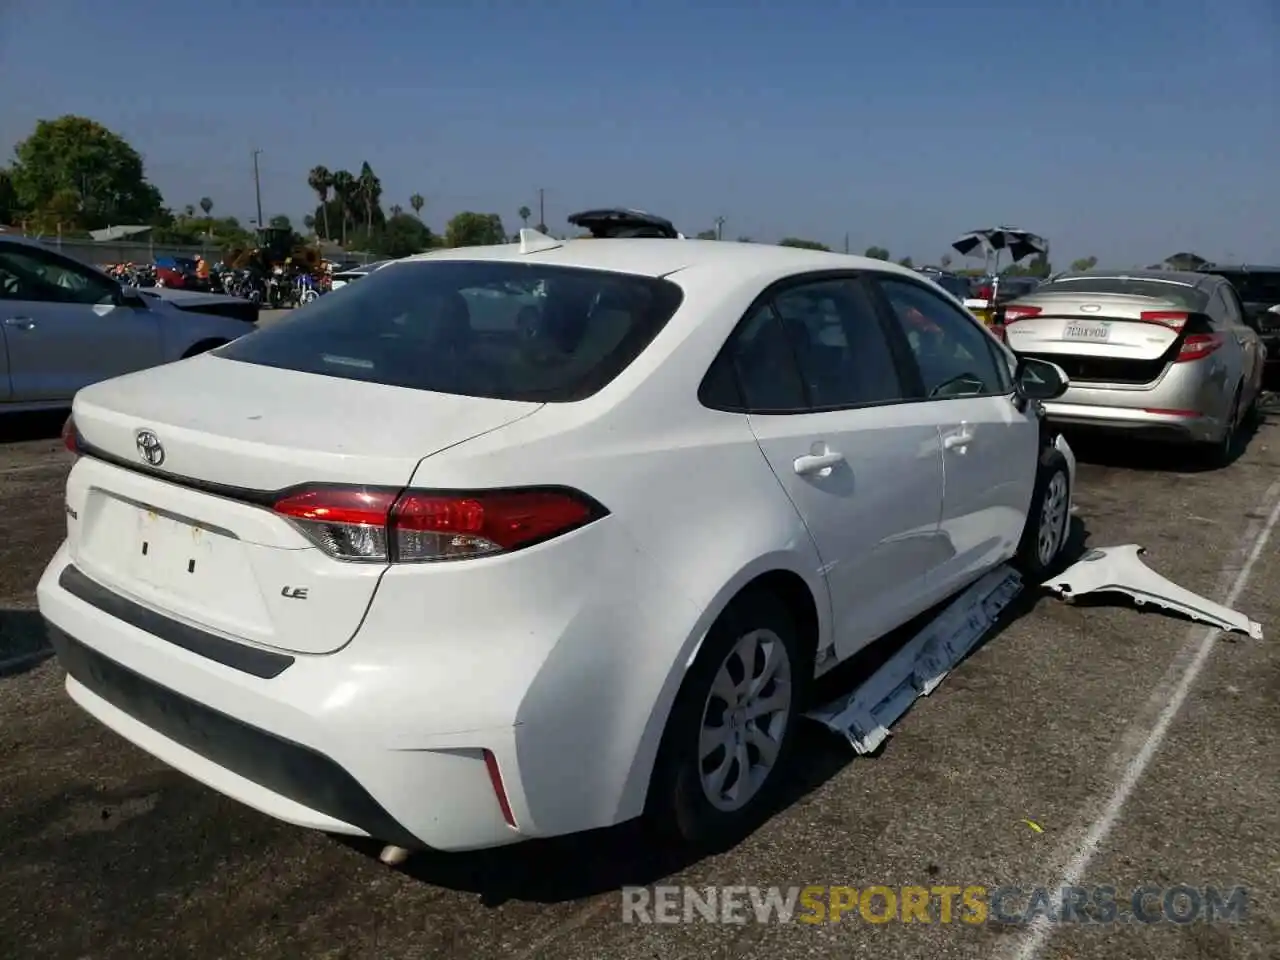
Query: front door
[(989, 446), (863, 468), (63, 328)]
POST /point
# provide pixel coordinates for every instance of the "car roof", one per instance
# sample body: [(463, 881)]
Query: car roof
[(1189, 278), (1236, 268), (658, 257)]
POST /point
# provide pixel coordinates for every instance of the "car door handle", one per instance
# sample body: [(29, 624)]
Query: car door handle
[(961, 438), (22, 323), (817, 462)]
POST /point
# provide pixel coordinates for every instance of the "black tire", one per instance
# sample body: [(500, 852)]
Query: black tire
[(1030, 558), (678, 805), (1217, 454), (204, 346)]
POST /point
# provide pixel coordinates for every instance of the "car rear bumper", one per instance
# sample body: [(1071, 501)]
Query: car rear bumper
[(438, 712), (301, 746), (1137, 423)]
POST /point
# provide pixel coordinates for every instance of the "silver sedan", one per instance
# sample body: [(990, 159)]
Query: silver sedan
[(65, 325), (1158, 354)]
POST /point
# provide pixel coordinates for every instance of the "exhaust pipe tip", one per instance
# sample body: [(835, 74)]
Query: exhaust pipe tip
[(393, 856)]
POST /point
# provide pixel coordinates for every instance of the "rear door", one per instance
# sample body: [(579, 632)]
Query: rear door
[(861, 465), (989, 447), (62, 327)]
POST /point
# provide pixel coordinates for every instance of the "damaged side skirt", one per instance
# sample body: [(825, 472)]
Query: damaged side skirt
[(1121, 570), (864, 716)]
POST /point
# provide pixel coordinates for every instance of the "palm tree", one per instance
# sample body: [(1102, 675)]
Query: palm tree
[(524, 213), (189, 211), (206, 205), (343, 189), (321, 181), (417, 201), (370, 192), (396, 209)]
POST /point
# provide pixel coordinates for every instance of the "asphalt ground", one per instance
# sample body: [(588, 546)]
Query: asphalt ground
[(1034, 761)]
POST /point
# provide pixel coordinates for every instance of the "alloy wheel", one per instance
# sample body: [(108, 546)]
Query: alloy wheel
[(744, 720)]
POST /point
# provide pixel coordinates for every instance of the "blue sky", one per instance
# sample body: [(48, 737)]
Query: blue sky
[(1126, 129)]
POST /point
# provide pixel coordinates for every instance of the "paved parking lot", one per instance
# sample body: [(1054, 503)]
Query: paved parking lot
[(106, 853)]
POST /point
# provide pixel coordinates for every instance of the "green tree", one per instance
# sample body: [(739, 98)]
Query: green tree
[(344, 190), (706, 235), (280, 222), (369, 191), (401, 236), (320, 180), (189, 211), (206, 205), (905, 262), (75, 157), (417, 201), (945, 261), (8, 198), (1084, 263), (802, 244), (524, 213), (877, 253), (470, 229), (745, 239)]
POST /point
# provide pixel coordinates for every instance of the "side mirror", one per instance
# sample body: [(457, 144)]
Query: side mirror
[(1040, 379), (130, 297)]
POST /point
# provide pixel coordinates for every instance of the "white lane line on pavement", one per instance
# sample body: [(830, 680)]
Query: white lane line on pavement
[(1133, 763)]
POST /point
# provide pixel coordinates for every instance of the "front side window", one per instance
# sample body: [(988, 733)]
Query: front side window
[(485, 328), (955, 356), (27, 274)]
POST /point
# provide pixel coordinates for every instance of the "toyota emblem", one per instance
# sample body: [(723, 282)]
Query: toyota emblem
[(149, 448)]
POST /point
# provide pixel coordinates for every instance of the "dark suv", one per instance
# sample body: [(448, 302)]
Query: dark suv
[(1259, 291)]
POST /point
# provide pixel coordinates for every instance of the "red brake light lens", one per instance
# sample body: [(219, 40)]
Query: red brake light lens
[(1197, 346), (379, 525), (1173, 319), (1013, 314), (71, 436)]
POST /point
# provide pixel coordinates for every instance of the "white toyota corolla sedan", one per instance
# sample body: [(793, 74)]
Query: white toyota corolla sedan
[(519, 541)]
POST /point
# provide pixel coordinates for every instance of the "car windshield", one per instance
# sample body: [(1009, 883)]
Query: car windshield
[(1186, 297), (488, 328)]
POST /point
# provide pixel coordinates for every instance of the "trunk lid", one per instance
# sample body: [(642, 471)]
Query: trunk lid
[(1108, 326), (192, 534)]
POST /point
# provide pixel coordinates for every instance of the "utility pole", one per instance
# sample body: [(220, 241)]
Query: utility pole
[(846, 243), (257, 188), (719, 228), (542, 210)]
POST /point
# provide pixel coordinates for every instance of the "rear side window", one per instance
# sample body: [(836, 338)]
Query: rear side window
[(482, 328), (843, 354)]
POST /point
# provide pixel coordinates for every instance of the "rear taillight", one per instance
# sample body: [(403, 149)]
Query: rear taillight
[(386, 526), (71, 436), (1173, 319), (984, 293), (1197, 346), (1014, 314)]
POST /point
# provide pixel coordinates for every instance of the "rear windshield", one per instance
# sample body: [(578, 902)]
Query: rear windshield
[(1255, 287), (482, 328), (1189, 298)]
